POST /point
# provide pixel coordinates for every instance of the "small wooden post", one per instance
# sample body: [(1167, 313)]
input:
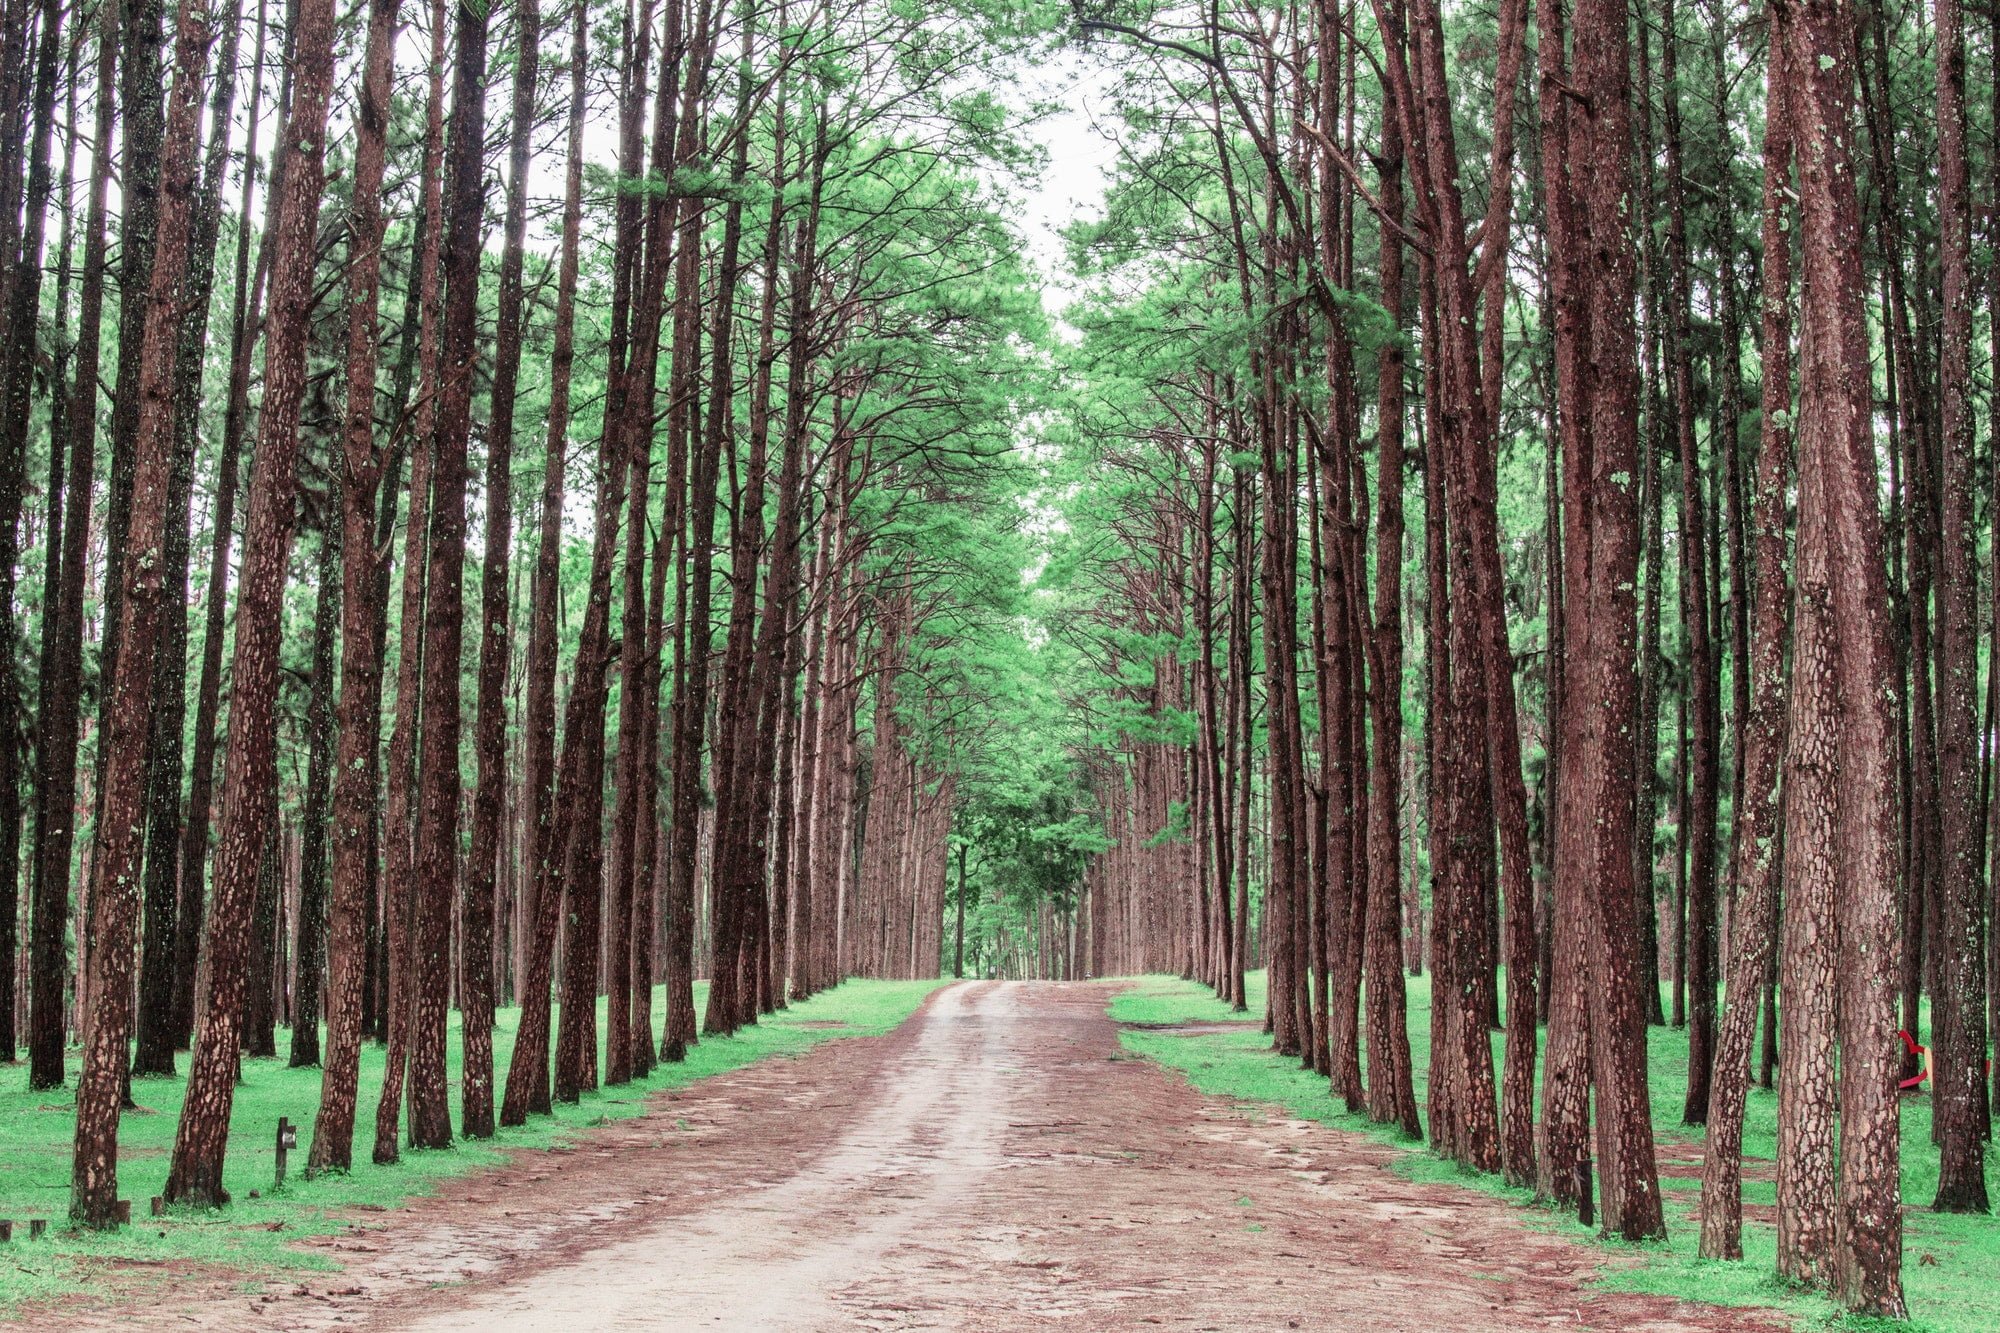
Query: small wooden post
[(1586, 1211), (159, 1206), (288, 1138), (6, 1230), (37, 1227), (121, 1212)]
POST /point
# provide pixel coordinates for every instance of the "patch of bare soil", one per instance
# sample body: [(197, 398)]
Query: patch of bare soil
[(997, 1163)]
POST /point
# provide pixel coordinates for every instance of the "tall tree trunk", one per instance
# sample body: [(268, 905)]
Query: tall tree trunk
[(528, 1075), (1597, 369), (54, 632), (1959, 1078), (398, 859), (310, 956), (1391, 1096), (158, 1033), (141, 99), (55, 827), (436, 860), (245, 326), (743, 729), (692, 691), (385, 925), (1836, 441), (1754, 922), (630, 873), (250, 772), (360, 711), (1808, 968), (495, 637), (1659, 412), (115, 866), (1566, 1076), (24, 286), (1704, 677)]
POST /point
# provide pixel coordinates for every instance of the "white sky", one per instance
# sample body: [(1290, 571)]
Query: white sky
[(1081, 155)]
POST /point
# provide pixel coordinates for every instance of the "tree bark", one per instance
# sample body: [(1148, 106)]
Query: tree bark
[(22, 318), (1958, 1080), (245, 327), (495, 638), (1391, 1097), (55, 827), (1836, 440), (360, 713), (250, 772), (310, 954), (1754, 922), (398, 857), (527, 1075), (116, 863), (1597, 371), (1704, 692)]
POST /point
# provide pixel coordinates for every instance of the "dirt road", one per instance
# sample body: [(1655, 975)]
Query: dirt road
[(999, 1162)]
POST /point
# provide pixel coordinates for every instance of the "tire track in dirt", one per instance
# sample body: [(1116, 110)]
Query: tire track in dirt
[(997, 1163), (776, 1257)]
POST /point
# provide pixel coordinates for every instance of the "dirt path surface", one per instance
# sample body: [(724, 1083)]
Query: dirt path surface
[(999, 1162)]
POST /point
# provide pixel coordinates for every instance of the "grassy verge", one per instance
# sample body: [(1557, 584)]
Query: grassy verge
[(1951, 1265), (255, 1235)]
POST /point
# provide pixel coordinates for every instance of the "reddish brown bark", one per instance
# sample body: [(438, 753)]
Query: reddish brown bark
[(1597, 367), (1391, 1098), (1959, 1077), (23, 311), (495, 636), (1836, 440), (581, 793), (527, 1075), (744, 735), (435, 863), (142, 90), (54, 634), (310, 951), (1466, 355), (55, 826), (1566, 1077), (107, 1024), (157, 1030), (691, 646), (1660, 412), (784, 583), (1703, 671), (245, 327), (1808, 966), (691, 696), (632, 438), (250, 772), (1754, 925), (359, 711), (399, 832)]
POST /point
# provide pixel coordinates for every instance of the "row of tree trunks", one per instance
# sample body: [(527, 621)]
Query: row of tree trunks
[(250, 771), (340, 889)]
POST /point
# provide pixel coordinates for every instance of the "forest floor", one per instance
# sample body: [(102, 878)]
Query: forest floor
[(254, 1242), (1000, 1161), (1951, 1264)]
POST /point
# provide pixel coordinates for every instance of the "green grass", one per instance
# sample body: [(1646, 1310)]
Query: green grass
[(1951, 1269), (255, 1235)]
